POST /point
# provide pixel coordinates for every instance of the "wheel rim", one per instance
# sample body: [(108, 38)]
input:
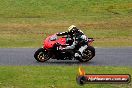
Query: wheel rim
[(42, 56), (87, 55)]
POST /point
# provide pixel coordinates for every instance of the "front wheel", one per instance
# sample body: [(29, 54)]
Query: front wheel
[(87, 54), (41, 55)]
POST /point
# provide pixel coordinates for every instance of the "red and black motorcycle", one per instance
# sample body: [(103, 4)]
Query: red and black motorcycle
[(51, 45)]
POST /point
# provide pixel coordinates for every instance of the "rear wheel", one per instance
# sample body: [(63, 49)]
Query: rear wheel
[(87, 54), (41, 55)]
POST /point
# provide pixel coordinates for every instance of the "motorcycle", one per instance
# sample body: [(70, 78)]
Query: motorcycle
[(51, 50)]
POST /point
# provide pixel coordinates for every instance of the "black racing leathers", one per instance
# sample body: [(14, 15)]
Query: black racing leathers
[(79, 39)]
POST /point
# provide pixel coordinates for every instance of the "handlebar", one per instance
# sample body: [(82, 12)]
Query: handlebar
[(64, 37)]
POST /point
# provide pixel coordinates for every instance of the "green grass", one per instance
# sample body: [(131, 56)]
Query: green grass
[(107, 21), (25, 23), (29, 37), (55, 76), (65, 9)]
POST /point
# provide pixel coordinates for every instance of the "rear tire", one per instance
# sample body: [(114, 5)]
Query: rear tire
[(88, 54), (41, 55)]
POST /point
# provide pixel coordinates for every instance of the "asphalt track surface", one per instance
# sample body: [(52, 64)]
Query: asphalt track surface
[(104, 57)]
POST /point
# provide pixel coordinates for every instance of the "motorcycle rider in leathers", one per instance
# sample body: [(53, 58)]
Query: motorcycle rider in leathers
[(78, 37)]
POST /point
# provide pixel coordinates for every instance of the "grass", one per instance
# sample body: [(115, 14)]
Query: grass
[(106, 34), (62, 9), (55, 76), (26, 23)]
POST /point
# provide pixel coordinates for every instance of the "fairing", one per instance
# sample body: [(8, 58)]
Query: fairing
[(48, 44)]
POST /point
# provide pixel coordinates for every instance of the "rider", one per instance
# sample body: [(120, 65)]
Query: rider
[(78, 37)]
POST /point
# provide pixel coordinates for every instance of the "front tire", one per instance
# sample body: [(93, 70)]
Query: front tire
[(87, 54), (41, 55)]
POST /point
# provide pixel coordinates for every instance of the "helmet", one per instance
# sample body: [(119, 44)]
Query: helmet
[(72, 28)]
